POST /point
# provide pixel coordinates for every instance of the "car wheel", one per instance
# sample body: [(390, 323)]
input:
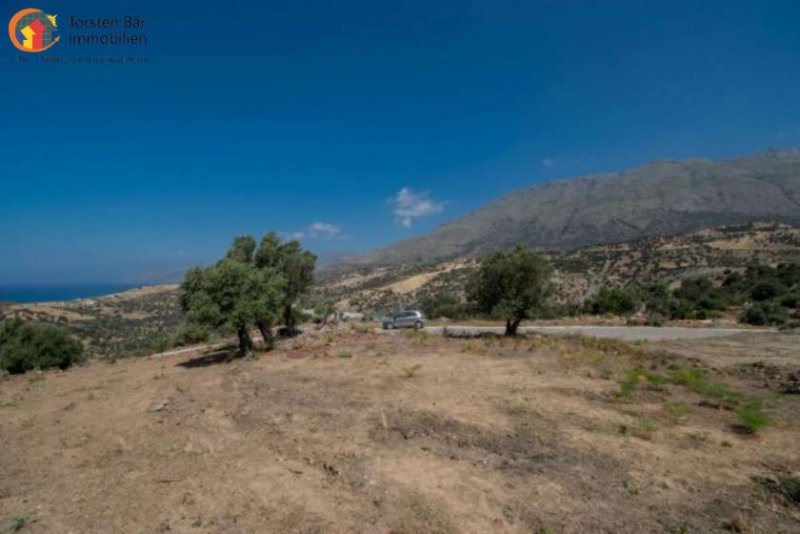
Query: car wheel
[(418, 325)]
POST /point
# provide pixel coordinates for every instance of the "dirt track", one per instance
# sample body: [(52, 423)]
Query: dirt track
[(346, 432)]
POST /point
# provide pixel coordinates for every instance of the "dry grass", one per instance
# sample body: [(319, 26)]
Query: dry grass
[(403, 434)]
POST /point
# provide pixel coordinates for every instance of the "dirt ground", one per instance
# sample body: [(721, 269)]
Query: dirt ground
[(357, 432)]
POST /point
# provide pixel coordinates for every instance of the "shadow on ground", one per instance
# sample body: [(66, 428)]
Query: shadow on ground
[(226, 355)]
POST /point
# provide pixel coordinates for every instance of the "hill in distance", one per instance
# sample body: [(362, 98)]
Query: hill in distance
[(578, 272), (658, 199)]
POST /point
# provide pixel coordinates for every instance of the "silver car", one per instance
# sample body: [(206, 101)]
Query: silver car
[(406, 319)]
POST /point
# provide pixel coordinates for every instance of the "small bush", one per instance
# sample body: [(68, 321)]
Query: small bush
[(790, 486), (25, 346), (613, 300), (765, 313), (17, 523), (767, 289), (752, 418), (190, 334), (701, 293), (787, 487), (445, 305)]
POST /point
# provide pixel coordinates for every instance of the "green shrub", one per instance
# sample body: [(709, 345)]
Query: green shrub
[(752, 418), (791, 300), (25, 346), (190, 334), (765, 313), (701, 293), (657, 300), (790, 486), (444, 305), (761, 283), (614, 300), (767, 289), (17, 523)]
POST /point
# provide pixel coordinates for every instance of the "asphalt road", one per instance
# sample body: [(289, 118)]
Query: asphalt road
[(630, 333)]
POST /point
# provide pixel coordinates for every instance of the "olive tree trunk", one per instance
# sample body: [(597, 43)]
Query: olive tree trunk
[(511, 327), (245, 341), (289, 321), (266, 334)]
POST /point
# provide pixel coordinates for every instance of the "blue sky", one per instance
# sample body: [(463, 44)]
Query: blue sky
[(355, 124)]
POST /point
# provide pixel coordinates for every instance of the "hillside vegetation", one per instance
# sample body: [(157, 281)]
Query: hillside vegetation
[(148, 320), (133, 323), (579, 274)]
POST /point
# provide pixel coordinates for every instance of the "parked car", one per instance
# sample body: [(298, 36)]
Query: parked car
[(406, 319)]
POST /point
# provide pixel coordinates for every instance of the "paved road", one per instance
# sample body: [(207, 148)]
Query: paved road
[(631, 333)]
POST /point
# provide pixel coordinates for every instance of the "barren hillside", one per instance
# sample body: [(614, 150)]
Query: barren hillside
[(345, 432)]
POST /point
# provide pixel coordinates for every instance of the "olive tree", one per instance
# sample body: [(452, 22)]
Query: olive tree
[(295, 264), (274, 257), (242, 249), (233, 295), (511, 286)]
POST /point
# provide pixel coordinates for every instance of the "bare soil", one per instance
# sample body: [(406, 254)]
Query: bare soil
[(356, 432)]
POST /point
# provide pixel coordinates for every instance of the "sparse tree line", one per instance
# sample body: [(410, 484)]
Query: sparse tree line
[(764, 295)]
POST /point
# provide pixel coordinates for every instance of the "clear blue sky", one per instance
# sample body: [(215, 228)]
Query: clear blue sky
[(380, 120)]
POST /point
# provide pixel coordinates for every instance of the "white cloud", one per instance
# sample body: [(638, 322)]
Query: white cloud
[(323, 229), (548, 162), (409, 205)]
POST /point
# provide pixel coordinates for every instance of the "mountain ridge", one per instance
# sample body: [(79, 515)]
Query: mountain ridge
[(663, 197)]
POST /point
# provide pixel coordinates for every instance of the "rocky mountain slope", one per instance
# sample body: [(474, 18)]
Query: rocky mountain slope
[(661, 198)]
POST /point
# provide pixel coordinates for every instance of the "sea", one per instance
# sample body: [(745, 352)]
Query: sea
[(56, 292)]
